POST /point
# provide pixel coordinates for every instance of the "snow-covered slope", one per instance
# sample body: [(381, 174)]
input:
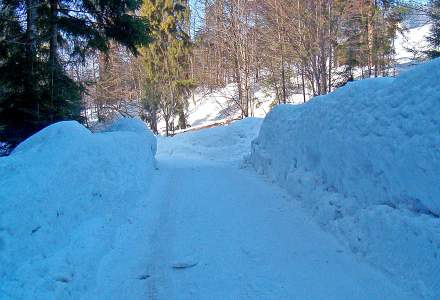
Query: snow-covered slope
[(221, 144), (63, 192), (215, 107), (208, 107), (365, 160), (411, 44), (220, 106)]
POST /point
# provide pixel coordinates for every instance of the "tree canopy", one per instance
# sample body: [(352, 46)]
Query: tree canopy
[(39, 40)]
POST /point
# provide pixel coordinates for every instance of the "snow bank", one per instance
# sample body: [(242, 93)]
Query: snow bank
[(63, 193), (220, 144), (365, 160)]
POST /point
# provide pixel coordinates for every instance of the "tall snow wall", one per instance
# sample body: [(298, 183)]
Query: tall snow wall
[(63, 193), (365, 161)]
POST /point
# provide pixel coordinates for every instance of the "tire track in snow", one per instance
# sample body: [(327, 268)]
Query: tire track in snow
[(162, 236)]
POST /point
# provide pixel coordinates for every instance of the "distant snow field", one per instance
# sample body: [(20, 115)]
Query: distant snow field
[(219, 106), (414, 39)]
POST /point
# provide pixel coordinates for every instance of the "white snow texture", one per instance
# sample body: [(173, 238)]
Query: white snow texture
[(64, 191), (365, 160)]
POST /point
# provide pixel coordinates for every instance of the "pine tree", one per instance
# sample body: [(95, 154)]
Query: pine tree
[(166, 62), (367, 36), (35, 90)]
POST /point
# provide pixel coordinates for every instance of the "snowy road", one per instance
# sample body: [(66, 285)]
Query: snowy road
[(225, 233), (242, 238), (192, 225)]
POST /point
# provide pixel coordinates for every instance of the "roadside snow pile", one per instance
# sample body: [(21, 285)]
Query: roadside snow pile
[(63, 193), (365, 160), (221, 144)]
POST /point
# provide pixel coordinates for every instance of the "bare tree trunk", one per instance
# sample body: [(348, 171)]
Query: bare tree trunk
[(283, 79), (53, 51), (330, 46), (167, 126), (303, 85), (31, 16)]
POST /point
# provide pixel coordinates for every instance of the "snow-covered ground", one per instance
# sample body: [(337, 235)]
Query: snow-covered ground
[(225, 233), (411, 47), (208, 108), (347, 208), (64, 193), (218, 144), (96, 220), (365, 161)]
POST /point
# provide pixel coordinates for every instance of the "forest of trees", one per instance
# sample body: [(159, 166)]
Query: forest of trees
[(92, 60), (294, 46), (41, 41)]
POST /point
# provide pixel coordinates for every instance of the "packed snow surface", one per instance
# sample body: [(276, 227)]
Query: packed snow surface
[(365, 161), (63, 193), (223, 232), (218, 144)]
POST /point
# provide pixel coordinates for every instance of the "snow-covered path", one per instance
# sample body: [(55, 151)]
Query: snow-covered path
[(194, 224), (223, 232)]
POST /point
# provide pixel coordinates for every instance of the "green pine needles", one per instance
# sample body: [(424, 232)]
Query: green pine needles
[(39, 39), (166, 62)]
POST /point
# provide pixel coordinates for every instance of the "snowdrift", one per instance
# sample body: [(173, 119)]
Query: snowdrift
[(227, 143), (63, 192), (365, 160)]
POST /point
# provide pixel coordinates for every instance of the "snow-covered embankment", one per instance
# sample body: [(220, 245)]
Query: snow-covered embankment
[(365, 160), (64, 191)]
